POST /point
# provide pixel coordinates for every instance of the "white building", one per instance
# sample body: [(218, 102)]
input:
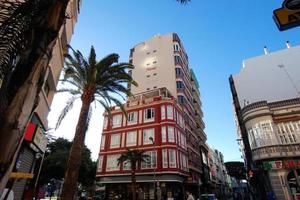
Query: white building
[(267, 106)]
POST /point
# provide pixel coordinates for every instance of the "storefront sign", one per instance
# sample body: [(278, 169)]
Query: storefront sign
[(291, 164), (288, 16), (21, 175), (40, 139), (286, 164), (272, 165)]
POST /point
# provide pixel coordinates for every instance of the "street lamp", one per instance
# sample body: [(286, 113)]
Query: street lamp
[(154, 172)]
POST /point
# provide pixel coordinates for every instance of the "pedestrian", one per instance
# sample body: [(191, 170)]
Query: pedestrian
[(270, 196), (190, 196)]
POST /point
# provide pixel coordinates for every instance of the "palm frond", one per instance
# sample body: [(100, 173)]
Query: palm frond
[(183, 1), (88, 119), (66, 109), (69, 90)]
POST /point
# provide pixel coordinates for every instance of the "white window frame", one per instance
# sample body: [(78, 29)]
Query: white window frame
[(151, 112), (170, 112), (115, 140), (163, 112), (112, 163), (163, 134), (102, 146), (172, 154), (171, 134), (151, 163), (165, 158), (105, 122), (100, 164), (128, 136), (132, 118), (117, 121), (147, 133)]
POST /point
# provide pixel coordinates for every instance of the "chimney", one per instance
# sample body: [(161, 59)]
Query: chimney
[(288, 45), (266, 50)]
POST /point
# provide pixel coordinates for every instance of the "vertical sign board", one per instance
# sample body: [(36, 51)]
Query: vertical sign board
[(288, 16)]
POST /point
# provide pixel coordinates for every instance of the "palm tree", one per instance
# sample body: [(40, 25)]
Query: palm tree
[(28, 31), (133, 157), (183, 1), (90, 81)]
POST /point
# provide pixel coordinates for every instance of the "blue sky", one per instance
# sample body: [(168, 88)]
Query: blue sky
[(217, 37)]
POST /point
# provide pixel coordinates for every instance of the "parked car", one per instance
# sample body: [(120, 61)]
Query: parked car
[(208, 197)]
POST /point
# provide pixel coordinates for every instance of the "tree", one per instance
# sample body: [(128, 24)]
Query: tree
[(90, 81), (183, 1), (56, 157), (28, 31), (133, 157)]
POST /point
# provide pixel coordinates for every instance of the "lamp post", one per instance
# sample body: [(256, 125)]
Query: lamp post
[(154, 172)]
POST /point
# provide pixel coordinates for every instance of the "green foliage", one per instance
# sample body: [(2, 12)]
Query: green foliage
[(55, 163), (101, 81), (133, 157)]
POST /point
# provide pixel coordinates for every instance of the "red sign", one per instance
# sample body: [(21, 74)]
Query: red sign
[(30, 132), (289, 164)]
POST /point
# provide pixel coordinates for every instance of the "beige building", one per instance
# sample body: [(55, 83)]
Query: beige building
[(267, 105), (34, 144), (162, 62)]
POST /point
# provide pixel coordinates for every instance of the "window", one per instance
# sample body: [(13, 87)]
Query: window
[(179, 85), (261, 134), (102, 146), (181, 99), (154, 62), (172, 158), (178, 138), (176, 47), (288, 132), (117, 120), (147, 133), (163, 134), (105, 122), (170, 114), (163, 112), (177, 60), (183, 140), (100, 164), (46, 88), (171, 134), (178, 72), (149, 114), (165, 158), (184, 162), (151, 163), (131, 139), (132, 118), (115, 140), (112, 162)]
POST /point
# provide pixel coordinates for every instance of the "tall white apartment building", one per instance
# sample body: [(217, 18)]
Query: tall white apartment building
[(162, 62)]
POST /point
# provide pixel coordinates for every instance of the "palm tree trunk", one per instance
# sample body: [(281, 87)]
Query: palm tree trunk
[(133, 183), (72, 171)]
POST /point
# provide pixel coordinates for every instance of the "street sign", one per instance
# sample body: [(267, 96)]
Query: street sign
[(21, 175), (288, 16)]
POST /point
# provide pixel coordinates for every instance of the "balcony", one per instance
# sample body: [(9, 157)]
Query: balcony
[(277, 151)]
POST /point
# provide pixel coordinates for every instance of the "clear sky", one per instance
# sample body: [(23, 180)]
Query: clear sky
[(217, 36)]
